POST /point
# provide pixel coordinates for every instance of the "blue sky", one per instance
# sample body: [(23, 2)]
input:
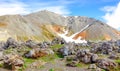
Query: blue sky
[(105, 10)]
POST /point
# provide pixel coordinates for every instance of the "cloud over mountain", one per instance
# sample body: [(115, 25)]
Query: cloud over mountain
[(112, 15)]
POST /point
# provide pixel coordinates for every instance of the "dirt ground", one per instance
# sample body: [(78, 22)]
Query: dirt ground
[(57, 65)]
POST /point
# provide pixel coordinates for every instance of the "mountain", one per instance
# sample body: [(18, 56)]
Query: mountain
[(45, 25)]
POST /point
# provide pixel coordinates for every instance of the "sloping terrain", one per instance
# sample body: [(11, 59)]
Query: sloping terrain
[(45, 25), (99, 31)]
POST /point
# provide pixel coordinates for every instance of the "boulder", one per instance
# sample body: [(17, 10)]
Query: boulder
[(31, 44), (106, 64), (11, 43), (64, 50), (86, 57), (37, 52), (94, 58), (72, 64), (92, 66), (13, 60), (103, 47), (45, 45), (114, 56)]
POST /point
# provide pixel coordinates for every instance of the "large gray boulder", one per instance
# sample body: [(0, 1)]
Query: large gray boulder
[(11, 43), (64, 50), (94, 58), (86, 57)]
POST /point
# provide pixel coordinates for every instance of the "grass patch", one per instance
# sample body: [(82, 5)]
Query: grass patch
[(117, 61), (59, 55), (56, 46), (19, 51), (8, 51), (51, 69), (49, 58), (1, 65), (27, 61), (82, 65)]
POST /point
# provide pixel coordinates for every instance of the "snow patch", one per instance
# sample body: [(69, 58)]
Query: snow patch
[(70, 39), (76, 16), (65, 16), (80, 31)]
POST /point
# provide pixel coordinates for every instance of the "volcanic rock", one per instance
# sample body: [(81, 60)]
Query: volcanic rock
[(106, 64), (37, 52), (13, 60)]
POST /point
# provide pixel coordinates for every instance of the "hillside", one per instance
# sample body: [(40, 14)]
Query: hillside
[(45, 25)]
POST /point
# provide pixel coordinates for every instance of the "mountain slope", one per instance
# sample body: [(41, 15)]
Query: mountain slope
[(45, 25), (99, 31)]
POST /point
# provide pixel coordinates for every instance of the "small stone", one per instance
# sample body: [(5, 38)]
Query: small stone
[(94, 58), (92, 66), (37, 64), (98, 69)]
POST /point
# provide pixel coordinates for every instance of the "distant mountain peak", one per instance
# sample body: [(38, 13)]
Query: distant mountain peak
[(42, 26)]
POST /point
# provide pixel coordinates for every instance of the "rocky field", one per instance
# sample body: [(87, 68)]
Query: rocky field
[(58, 55)]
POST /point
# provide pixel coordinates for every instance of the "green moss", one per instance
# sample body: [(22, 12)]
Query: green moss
[(27, 61), (82, 65), (19, 51), (49, 58), (1, 65), (117, 61), (51, 69), (8, 51), (56, 46), (79, 65)]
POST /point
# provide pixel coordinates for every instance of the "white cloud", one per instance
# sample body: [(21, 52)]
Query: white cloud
[(108, 8), (17, 7), (12, 8), (112, 15), (57, 9)]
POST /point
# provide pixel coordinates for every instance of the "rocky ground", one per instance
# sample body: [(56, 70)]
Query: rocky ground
[(58, 55)]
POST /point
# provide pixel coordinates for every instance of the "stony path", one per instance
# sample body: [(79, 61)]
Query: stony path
[(57, 65)]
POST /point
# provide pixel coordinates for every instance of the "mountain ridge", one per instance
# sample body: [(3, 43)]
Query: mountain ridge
[(45, 25)]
